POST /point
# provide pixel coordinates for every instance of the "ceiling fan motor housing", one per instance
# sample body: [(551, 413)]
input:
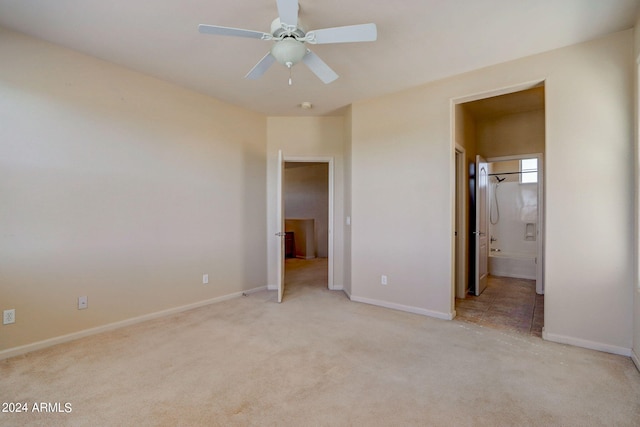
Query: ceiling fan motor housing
[(277, 29)]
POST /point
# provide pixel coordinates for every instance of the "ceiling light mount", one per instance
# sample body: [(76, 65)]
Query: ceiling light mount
[(280, 30)]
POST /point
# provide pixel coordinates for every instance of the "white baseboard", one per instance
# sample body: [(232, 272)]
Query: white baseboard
[(247, 292), (401, 307), (592, 345), (16, 351), (636, 359)]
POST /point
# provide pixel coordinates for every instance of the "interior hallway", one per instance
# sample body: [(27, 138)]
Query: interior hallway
[(508, 304), (303, 274)]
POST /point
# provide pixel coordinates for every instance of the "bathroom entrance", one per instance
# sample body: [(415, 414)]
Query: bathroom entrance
[(509, 131)]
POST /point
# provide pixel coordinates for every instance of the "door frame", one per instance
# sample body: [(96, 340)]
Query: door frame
[(453, 102), (280, 220), (460, 230), (540, 226), (331, 225)]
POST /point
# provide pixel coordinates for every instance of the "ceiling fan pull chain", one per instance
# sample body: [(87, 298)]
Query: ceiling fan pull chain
[(290, 66)]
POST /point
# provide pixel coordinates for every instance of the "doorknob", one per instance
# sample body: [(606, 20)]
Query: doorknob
[(281, 234), (479, 233)]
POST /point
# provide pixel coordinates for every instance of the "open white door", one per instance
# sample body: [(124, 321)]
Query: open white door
[(540, 235), (280, 218), (480, 233)]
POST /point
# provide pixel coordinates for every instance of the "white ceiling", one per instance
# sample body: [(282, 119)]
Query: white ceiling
[(418, 41)]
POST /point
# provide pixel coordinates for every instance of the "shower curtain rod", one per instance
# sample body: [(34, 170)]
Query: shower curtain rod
[(511, 173)]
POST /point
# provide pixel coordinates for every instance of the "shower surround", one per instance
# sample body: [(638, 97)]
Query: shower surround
[(513, 228)]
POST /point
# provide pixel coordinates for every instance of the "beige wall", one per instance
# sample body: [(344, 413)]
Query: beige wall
[(120, 187), (465, 128), (512, 134), (306, 137), (127, 189), (401, 148)]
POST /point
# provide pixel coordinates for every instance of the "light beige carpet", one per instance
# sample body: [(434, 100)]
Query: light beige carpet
[(318, 359)]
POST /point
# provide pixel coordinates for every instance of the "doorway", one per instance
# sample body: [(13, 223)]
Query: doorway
[(515, 199), (307, 200), (507, 125)]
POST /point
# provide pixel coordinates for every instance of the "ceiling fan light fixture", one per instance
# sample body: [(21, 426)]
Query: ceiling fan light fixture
[(289, 38), (288, 51)]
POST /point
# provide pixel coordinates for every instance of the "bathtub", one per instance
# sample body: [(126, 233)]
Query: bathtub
[(512, 264)]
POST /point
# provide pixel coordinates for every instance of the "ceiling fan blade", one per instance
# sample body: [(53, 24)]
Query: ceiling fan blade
[(259, 69), (348, 34), (288, 12), (236, 32), (319, 67)]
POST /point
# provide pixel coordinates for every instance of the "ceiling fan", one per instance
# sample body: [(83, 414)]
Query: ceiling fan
[(289, 39)]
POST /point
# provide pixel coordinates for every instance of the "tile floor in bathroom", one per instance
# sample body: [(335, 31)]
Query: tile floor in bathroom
[(506, 303)]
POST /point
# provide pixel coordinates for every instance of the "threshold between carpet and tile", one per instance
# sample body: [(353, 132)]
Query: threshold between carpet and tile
[(506, 304)]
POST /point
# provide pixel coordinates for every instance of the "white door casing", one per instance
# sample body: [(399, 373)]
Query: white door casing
[(331, 202), (280, 234), (460, 231)]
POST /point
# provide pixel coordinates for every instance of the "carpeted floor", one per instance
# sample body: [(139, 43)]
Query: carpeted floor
[(318, 359)]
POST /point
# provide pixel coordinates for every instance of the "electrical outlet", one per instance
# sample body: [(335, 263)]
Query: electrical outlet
[(83, 302), (383, 280), (205, 279), (9, 316)]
